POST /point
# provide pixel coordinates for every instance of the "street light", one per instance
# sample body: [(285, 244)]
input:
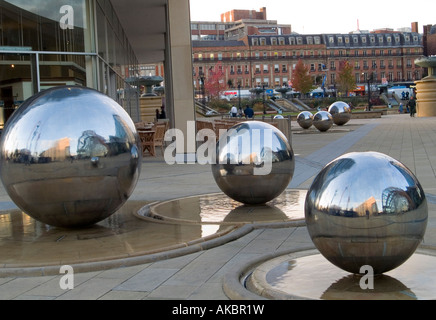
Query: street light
[(239, 94), (369, 80), (263, 90)]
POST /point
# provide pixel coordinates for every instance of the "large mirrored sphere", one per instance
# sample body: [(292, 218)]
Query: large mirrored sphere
[(341, 113), (366, 209), (323, 121), (70, 156), (305, 119), (254, 164)]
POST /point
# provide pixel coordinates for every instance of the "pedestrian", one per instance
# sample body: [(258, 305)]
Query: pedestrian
[(162, 115), (240, 112), (412, 106), (234, 112), (249, 113)]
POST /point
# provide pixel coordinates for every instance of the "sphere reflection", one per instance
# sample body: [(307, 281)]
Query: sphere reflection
[(255, 162), (366, 209), (341, 113), (305, 119), (70, 156), (323, 121)]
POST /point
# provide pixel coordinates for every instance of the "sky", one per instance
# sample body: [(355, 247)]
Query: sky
[(333, 16)]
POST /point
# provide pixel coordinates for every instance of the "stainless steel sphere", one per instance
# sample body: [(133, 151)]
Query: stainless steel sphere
[(305, 119), (366, 209), (70, 156), (323, 121), (341, 113), (254, 164)]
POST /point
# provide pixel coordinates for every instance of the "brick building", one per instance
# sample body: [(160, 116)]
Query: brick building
[(265, 59), (429, 40)]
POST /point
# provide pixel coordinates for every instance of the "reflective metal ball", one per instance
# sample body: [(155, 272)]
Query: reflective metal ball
[(366, 209), (341, 113), (70, 156), (254, 162), (323, 121), (279, 116), (305, 119)]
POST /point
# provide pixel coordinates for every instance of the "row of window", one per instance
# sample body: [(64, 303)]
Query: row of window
[(303, 53), (332, 39)]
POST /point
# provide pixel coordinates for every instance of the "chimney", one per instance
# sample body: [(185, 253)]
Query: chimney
[(415, 27)]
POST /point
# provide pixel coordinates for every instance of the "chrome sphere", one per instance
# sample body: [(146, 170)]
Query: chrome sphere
[(323, 121), (305, 119), (254, 162), (70, 156), (341, 113), (366, 209)]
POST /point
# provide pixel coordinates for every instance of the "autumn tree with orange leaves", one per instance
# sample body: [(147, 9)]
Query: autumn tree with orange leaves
[(301, 79), (346, 80), (215, 84)]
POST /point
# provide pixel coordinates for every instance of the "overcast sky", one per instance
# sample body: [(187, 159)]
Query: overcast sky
[(333, 16)]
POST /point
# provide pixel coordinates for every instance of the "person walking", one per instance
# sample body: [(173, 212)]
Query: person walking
[(412, 106), (234, 112)]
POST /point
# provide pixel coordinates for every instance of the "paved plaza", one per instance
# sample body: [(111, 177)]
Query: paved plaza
[(210, 273)]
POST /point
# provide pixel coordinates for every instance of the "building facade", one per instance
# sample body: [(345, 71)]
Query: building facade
[(269, 60)]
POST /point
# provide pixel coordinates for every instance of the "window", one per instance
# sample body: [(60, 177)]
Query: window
[(363, 38), (331, 39), (317, 40), (282, 41), (254, 42), (207, 27), (292, 41), (273, 41), (262, 41), (309, 40), (340, 40), (220, 56), (299, 40)]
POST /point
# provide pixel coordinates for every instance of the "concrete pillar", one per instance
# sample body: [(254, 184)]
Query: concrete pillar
[(178, 75)]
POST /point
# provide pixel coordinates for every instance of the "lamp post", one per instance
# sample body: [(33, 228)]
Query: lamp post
[(263, 98), (239, 94), (369, 80)]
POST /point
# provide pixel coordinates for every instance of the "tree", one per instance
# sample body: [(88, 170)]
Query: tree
[(215, 83), (301, 79), (346, 80)]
